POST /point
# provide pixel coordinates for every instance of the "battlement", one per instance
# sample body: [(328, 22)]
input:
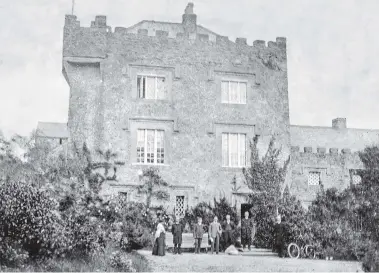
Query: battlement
[(320, 151), (188, 29)]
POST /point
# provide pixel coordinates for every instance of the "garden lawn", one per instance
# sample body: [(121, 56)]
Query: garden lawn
[(227, 263)]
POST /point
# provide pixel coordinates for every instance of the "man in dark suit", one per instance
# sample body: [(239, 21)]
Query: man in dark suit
[(228, 228), (177, 231), (279, 237)]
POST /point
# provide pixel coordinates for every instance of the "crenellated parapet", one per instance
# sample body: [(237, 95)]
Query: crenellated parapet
[(99, 30), (308, 150)]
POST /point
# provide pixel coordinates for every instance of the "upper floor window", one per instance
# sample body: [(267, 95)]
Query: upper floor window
[(151, 87), (150, 146), (233, 92), (233, 150), (314, 178)]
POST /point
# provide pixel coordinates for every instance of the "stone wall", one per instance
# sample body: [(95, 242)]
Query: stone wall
[(335, 166), (104, 111)]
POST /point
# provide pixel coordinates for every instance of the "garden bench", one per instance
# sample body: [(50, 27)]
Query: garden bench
[(188, 242)]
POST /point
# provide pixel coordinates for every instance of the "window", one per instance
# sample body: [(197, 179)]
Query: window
[(60, 141), (150, 146), (123, 195), (356, 179), (179, 206), (233, 150), (151, 87), (314, 178), (233, 92)]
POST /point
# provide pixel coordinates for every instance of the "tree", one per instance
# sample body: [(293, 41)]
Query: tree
[(154, 187), (265, 178)]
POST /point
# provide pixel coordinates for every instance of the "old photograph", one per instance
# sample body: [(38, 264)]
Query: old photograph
[(189, 136)]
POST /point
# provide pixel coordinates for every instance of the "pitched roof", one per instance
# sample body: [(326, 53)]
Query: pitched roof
[(52, 130), (172, 28)]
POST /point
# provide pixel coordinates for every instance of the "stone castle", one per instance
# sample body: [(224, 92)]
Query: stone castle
[(186, 100)]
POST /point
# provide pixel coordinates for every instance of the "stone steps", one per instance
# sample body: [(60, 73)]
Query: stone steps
[(258, 252)]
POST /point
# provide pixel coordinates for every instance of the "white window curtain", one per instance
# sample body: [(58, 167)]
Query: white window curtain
[(225, 92), (161, 88), (225, 150), (150, 88), (160, 146), (141, 146), (150, 146), (233, 150), (242, 149), (233, 92), (243, 92)]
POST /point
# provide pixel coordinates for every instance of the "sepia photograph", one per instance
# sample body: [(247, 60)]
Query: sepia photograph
[(189, 136)]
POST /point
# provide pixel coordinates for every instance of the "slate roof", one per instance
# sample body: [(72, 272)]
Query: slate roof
[(52, 130)]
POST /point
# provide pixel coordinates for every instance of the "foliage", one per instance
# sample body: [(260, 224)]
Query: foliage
[(154, 187), (29, 219), (222, 208), (265, 178), (370, 262), (121, 262)]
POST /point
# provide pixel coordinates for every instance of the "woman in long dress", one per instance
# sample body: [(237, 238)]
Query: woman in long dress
[(159, 243)]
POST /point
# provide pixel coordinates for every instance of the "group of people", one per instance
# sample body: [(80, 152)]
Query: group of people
[(216, 231)]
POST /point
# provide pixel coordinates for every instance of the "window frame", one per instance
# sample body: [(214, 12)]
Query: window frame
[(319, 178), (236, 80), (184, 205), (239, 165), (145, 152), (156, 77)]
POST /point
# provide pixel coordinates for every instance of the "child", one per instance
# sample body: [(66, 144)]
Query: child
[(177, 231), (198, 232)]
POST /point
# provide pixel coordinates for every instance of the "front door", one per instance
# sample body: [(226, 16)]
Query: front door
[(245, 207)]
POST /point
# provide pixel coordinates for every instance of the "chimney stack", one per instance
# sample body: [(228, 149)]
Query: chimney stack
[(189, 19), (339, 123)]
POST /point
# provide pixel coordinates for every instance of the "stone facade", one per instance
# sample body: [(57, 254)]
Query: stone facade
[(330, 152), (103, 69)]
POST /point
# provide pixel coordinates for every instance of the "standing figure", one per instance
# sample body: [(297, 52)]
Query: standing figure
[(228, 230), (247, 231), (159, 248), (177, 231), (279, 240), (198, 232), (214, 233)]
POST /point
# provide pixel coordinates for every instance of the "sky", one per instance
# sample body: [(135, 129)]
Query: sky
[(332, 48)]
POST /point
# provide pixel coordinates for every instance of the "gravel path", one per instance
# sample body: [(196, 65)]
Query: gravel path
[(226, 263)]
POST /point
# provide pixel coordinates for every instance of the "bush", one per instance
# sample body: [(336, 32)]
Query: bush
[(12, 255), (121, 262), (370, 261), (28, 218), (138, 224)]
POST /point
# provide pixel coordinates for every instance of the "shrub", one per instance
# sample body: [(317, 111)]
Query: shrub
[(121, 262), (370, 261), (138, 223), (203, 210), (29, 218), (11, 254)]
